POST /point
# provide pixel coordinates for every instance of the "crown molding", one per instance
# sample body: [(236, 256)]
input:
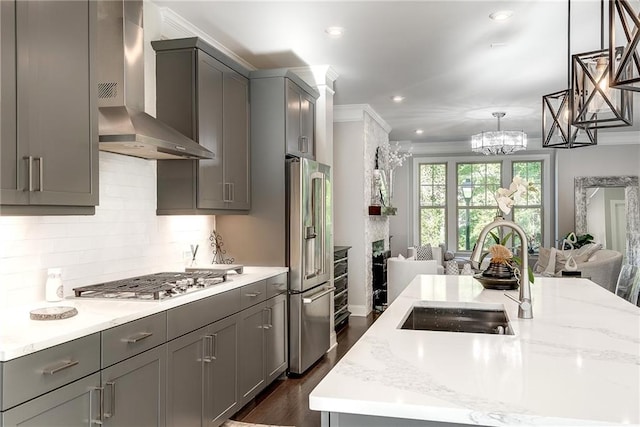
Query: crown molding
[(317, 75), (175, 26), (355, 113)]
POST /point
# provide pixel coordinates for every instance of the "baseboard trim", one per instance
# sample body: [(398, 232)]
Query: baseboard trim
[(358, 310), (333, 341)]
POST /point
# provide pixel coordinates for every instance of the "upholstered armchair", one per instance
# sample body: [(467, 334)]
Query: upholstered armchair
[(602, 266)]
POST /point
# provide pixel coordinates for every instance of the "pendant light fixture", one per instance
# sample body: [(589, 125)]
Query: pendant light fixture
[(500, 141), (558, 130), (595, 104), (625, 73)]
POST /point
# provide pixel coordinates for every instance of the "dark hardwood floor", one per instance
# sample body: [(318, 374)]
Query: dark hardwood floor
[(286, 402)]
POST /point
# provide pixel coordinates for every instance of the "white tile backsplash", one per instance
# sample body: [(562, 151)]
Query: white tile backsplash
[(124, 238)]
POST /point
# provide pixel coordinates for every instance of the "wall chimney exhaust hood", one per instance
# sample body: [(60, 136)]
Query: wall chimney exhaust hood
[(123, 126)]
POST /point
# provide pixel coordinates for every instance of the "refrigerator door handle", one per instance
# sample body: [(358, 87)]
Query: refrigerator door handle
[(318, 295)]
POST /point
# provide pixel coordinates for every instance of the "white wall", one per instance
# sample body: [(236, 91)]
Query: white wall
[(124, 238), (357, 134)]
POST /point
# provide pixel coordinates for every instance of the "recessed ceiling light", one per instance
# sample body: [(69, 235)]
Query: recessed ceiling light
[(499, 44), (419, 131), (501, 15), (335, 31), (397, 98)]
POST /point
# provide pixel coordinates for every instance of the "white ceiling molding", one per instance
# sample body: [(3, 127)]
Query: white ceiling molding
[(175, 26), (317, 75), (355, 113)]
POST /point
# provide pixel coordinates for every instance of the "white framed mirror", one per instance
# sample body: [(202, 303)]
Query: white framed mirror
[(607, 208)]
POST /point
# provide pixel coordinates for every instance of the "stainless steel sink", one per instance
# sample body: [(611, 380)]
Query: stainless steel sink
[(470, 317)]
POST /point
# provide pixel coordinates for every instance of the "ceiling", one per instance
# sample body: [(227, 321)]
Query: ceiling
[(437, 54)]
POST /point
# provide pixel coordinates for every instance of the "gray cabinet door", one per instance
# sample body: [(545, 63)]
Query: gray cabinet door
[(236, 141), (221, 391), (293, 140), (300, 122), (276, 337), (251, 369), (209, 118), (307, 124), (69, 406), (135, 390), (56, 103), (185, 373), (12, 164)]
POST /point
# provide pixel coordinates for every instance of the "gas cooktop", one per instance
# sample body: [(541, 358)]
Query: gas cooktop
[(153, 287)]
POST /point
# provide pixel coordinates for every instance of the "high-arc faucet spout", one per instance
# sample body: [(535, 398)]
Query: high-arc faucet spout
[(525, 309)]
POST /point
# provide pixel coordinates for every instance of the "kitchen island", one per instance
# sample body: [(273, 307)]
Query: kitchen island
[(577, 362)]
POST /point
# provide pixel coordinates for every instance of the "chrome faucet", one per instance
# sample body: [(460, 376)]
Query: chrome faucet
[(525, 309)]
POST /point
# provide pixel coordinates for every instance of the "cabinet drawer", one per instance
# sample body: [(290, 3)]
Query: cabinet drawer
[(276, 285), (35, 374), (132, 338), (253, 294), (189, 317), (339, 268)]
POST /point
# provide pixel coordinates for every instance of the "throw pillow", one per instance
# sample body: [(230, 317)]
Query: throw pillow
[(400, 256), (448, 256), (543, 260), (424, 253), (451, 267)]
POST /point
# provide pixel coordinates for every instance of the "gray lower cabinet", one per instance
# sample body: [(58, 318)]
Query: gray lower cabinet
[(276, 337), (201, 388), (134, 390), (205, 96), (262, 348), (251, 351), (48, 119), (76, 404)]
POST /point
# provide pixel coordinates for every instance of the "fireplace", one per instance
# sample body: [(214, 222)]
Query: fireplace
[(379, 273)]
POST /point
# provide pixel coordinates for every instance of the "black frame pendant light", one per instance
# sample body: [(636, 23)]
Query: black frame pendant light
[(625, 73), (558, 130), (595, 104)]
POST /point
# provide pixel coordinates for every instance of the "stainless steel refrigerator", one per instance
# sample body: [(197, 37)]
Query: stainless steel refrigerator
[(309, 255)]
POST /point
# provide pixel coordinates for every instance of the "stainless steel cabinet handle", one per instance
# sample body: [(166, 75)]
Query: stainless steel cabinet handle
[(29, 160), (232, 192), (138, 337), (41, 163), (303, 144), (253, 294), (214, 344), (270, 317), (318, 295), (61, 367), (180, 148), (101, 407), (207, 344), (113, 399), (267, 325)]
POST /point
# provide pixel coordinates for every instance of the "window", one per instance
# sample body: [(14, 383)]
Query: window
[(528, 212), (432, 182), (454, 198), (476, 185)]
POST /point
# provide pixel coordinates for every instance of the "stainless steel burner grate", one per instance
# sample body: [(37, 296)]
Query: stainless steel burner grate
[(152, 287)]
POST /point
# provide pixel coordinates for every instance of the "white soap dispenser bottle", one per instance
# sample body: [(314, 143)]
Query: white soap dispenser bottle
[(53, 287)]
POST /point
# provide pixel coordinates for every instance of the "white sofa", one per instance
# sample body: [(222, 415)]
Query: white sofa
[(401, 271)]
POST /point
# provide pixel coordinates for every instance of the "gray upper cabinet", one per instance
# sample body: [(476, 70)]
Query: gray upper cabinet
[(300, 119), (48, 120), (204, 95)]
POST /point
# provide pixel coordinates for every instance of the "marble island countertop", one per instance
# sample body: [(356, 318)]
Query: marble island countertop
[(19, 335), (577, 362)]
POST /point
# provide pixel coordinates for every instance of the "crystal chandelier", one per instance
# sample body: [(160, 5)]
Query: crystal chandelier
[(500, 141)]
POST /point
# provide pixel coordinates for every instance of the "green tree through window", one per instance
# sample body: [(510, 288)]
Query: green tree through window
[(432, 202), (528, 212)]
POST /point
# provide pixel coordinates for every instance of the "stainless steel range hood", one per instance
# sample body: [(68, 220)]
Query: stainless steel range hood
[(123, 126)]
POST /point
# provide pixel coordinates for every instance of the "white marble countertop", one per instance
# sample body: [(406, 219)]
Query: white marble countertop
[(19, 335), (577, 362)]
